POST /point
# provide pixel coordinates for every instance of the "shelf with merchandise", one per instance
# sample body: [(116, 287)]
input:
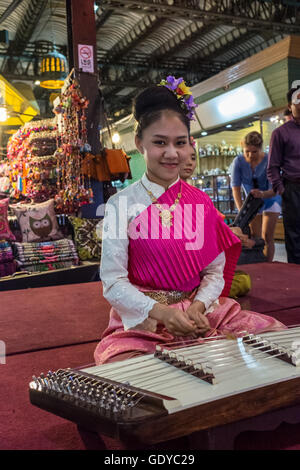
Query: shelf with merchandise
[(218, 188), (214, 155)]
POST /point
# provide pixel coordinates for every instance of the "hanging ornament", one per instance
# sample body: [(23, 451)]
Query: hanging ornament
[(71, 140)]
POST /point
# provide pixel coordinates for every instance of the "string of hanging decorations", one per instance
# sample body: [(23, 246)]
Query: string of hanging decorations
[(71, 142)]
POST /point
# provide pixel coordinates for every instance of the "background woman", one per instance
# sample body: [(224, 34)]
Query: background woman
[(249, 173), (188, 166)]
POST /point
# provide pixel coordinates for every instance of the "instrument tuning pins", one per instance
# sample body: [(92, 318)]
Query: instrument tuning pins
[(69, 385), (295, 352)]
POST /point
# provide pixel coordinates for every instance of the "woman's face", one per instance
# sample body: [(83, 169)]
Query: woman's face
[(252, 153), (164, 146), (188, 166)]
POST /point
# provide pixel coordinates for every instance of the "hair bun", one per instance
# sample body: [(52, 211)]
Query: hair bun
[(155, 98)]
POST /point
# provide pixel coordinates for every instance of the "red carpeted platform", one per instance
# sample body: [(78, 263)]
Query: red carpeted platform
[(52, 327), (275, 287), (23, 426), (48, 317)]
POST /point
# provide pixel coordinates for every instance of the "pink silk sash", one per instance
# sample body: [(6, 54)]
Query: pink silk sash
[(172, 258), (226, 318)]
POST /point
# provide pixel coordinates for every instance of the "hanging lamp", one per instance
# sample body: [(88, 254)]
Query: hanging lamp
[(54, 66), (54, 70)]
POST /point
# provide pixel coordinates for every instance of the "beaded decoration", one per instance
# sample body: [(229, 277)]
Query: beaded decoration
[(71, 140), (27, 151)]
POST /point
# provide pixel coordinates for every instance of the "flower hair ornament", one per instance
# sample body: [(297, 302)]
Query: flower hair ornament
[(193, 142), (182, 93)]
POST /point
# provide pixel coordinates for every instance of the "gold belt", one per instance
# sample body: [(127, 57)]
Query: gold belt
[(168, 297)]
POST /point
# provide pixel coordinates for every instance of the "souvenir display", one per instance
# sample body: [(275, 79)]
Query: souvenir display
[(4, 178), (46, 256), (7, 262), (44, 181), (215, 150), (71, 143), (31, 155), (88, 238), (45, 156), (5, 232), (37, 221)]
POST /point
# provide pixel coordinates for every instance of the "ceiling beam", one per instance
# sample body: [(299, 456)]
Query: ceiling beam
[(228, 42), (281, 16), (14, 4), (102, 17), (24, 32), (146, 26)]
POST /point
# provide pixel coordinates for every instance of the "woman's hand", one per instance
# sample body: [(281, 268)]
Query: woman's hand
[(175, 320), (195, 313), (246, 241), (238, 232), (257, 193), (149, 325)]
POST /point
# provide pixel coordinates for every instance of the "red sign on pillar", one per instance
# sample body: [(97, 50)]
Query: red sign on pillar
[(86, 58)]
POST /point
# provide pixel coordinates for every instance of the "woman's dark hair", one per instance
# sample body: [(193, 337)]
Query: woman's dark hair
[(151, 102), (253, 138)]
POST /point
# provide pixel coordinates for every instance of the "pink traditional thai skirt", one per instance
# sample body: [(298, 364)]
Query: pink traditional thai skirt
[(226, 318)]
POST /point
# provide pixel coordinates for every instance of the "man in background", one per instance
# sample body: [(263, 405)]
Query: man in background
[(284, 173)]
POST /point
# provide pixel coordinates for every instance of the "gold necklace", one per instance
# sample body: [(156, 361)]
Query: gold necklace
[(165, 214)]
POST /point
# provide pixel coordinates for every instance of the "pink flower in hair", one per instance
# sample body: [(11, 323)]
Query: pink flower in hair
[(192, 142)]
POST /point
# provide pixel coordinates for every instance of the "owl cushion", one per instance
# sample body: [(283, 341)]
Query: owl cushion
[(38, 222), (88, 237), (5, 232)]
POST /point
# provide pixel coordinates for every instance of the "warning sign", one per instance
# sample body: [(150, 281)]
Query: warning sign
[(86, 58)]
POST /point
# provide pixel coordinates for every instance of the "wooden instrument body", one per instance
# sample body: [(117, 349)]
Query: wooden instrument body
[(254, 390)]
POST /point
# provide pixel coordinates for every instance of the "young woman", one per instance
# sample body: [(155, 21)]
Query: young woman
[(188, 166), (249, 173), (167, 256)]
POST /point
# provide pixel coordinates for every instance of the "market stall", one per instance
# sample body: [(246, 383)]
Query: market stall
[(44, 189)]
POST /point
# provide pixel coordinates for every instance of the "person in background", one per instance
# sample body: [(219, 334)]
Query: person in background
[(187, 169), (249, 174), (284, 173), (188, 166), (172, 281)]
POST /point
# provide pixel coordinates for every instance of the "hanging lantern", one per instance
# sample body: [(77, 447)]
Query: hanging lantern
[(54, 70)]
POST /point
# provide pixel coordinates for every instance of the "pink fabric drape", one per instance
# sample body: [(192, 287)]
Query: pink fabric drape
[(172, 259)]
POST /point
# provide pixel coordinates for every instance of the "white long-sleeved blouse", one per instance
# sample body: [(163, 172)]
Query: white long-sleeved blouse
[(130, 303)]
